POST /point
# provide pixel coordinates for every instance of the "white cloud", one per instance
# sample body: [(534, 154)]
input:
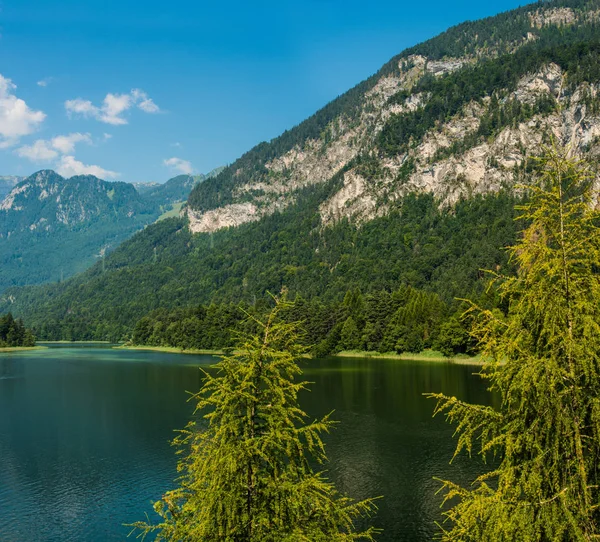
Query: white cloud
[(66, 143), (179, 165), (176, 144), (40, 151), (113, 106), (45, 82), (8, 143), (17, 119), (69, 166), (143, 101), (106, 136), (44, 150)]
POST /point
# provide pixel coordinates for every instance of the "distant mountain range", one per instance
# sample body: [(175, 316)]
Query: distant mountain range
[(52, 227)]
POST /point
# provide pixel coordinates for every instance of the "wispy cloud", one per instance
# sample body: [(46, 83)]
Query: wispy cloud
[(179, 165), (69, 166), (113, 107), (45, 82), (48, 149), (17, 119)]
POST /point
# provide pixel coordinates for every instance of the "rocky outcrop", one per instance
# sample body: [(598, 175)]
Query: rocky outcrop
[(224, 217), (352, 200), (485, 167), (548, 17)]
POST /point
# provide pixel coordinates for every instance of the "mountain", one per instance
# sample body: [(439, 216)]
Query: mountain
[(408, 178), (145, 186), (7, 182), (176, 189), (52, 227), (455, 116)]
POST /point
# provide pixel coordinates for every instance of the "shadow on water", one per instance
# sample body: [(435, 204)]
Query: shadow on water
[(84, 437)]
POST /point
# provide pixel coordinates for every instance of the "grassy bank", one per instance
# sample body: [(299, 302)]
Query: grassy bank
[(172, 350), (76, 342), (21, 348), (426, 355)]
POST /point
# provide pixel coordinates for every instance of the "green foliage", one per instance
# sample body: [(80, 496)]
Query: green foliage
[(165, 266), (14, 333), (350, 336), (246, 469), (407, 320), (453, 338), (543, 360)]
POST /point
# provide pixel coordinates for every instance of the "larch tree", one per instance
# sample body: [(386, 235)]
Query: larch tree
[(246, 473), (542, 359)]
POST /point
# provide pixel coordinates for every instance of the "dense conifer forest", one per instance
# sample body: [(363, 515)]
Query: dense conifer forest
[(13, 333)]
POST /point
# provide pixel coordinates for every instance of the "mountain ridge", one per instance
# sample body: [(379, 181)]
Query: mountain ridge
[(53, 227), (372, 132)]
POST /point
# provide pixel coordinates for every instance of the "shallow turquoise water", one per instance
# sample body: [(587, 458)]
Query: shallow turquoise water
[(84, 437)]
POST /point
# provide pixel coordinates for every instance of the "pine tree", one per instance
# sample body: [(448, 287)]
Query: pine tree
[(246, 475), (543, 360), (350, 337)]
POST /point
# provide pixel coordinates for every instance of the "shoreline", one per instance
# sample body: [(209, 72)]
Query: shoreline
[(426, 355), (171, 350), (430, 356), (21, 348), (76, 342)]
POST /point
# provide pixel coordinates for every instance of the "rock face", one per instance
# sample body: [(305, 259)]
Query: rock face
[(224, 217), (549, 17), (479, 147)]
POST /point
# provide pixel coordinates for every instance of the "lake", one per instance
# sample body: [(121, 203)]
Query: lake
[(85, 431)]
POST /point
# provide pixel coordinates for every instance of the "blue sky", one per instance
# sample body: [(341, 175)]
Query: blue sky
[(140, 91)]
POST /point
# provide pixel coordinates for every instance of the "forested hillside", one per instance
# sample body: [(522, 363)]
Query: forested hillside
[(174, 190), (417, 244), (52, 228), (407, 180)]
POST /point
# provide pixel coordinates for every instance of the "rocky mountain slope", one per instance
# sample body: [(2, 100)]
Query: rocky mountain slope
[(455, 116), (408, 178)]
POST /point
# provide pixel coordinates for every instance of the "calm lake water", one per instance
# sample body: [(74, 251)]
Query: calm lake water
[(85, 431)]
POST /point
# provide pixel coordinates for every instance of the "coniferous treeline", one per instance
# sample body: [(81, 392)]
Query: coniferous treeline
[(14, 333), (439, 251), (406, 320)]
